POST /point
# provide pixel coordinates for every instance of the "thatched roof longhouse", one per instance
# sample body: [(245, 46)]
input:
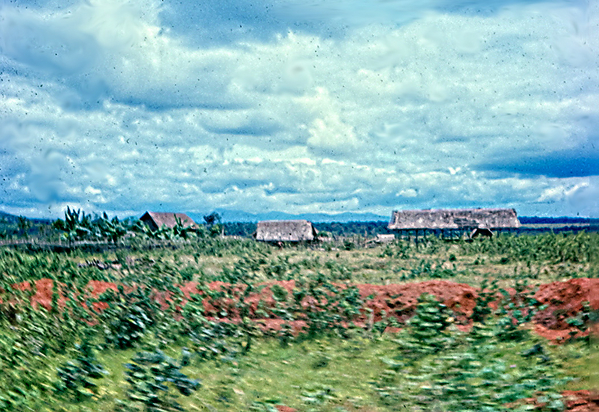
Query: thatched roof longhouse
[(456, 219), (285, 231), (155, 220)]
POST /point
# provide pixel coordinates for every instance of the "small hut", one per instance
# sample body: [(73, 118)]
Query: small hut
[(381, 239), (285, 231), (449, 222), (155, 220)]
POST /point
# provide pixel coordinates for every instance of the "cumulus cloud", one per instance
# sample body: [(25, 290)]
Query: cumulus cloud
[(105, 105)]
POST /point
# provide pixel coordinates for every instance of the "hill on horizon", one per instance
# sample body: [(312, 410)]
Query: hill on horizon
[(233, 216)]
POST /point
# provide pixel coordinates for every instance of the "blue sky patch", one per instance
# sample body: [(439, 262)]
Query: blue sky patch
[(319, 106)]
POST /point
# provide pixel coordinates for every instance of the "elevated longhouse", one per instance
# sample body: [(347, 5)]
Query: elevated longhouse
[(454, 221)]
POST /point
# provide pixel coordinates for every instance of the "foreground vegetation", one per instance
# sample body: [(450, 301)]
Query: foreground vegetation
[(128, 349)]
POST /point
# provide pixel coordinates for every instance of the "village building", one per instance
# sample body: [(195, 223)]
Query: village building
[(155, 220), (380, 239), (285, 231), (452, 222)]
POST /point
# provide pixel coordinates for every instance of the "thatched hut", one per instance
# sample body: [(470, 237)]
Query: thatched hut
[(454, 221), (155, 220), (285, 231)]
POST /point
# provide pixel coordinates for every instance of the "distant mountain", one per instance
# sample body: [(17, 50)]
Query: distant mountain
[(240, 216), (14, 219), (534, 220), (8, 217)]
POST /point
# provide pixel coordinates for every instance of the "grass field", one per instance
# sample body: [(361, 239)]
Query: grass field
[(479, 354)]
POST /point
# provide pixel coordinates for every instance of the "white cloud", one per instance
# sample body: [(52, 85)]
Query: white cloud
[(408, 193), (105, 107), (562, 192), (332, 133)]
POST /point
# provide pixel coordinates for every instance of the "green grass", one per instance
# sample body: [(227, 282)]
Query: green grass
[(272, 372), (582, 363), (328, 374), (295, 375)]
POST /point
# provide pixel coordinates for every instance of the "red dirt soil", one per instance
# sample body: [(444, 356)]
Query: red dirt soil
[(577, 401), (564, 300), (581, 401), (397, 300)]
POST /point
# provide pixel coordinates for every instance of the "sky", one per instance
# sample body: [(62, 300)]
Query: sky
[(299, 106)]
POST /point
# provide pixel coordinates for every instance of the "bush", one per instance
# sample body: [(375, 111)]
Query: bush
[(151, 376), (427, 329), (76, 376), (128, 317)]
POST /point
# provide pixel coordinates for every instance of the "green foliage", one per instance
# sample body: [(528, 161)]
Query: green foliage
[(24, 225), (318, 396), (76, 378), (495, 364), (479, 371), (212, 340), (338, 271), (245, 269), (263, 407), (582, 247), (23, 377), (110, 229), (213, 223), (76, 225), (469, 381), (151, 376), (324, 306), (515, 310), (129, 316), (486, 295), (582, 322), (428, 269), (349, 244), (212, 219), (427, 330)]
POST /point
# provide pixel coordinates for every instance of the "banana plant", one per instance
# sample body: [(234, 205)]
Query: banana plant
[(111, 229), (162, 233), (75, 226), (181, 230)]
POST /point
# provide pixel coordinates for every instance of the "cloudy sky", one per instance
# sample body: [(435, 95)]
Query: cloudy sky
[(299, 105)]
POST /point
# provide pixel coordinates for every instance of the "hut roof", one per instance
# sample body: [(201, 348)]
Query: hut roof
[(454, 219), (285, 231), (157, 219)]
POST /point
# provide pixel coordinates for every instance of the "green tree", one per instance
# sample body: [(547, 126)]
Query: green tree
[(24, 225), (213, 223)]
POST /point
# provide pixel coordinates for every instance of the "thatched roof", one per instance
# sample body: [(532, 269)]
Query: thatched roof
[(285, 231), (155, 220), (454, 219), (381, 238)]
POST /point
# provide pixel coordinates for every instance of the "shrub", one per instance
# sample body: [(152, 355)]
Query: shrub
[(151, 376), (427, 329), (128, 317), (75, 377), (516, 310)]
